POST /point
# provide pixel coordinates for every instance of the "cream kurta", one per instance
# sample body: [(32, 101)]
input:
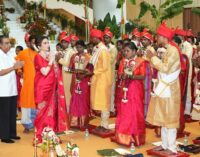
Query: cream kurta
[(113, 53), (67, 77), (101, 81), (165, 112), (187, 49)]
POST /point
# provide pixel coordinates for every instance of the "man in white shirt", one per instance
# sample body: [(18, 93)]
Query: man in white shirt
[(8, 91), (187, 49)]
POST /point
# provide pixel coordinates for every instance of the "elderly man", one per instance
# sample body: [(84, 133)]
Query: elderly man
[(8, 92)]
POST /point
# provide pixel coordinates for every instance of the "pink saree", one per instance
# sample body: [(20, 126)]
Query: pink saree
[(80, 100), (50, 99), (130, 122)]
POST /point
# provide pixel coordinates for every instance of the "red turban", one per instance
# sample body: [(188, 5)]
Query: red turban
[(108, 32), (189, 33), (96, 33), (164, 31), (136, 33), (125, 36), (65, 38), (74, 37), (62, 34), (180, 32), (147, 35)]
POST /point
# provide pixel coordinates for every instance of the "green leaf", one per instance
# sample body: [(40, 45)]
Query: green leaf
[(196, 11), (107, 18), (133, 2), (114, 21), (177, 4), (144, 7), (168, 2), (171, 13), (120, 3)]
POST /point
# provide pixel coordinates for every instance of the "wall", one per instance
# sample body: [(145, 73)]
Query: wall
[(133, 12), (76, 10), (102, 7)]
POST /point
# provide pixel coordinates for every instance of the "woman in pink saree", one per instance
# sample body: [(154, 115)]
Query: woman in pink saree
[(80, 100), (130, 122), (49, 91)]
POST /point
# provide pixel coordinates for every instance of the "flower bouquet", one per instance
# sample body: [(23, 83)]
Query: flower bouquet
[(51, 144), (72, 150)]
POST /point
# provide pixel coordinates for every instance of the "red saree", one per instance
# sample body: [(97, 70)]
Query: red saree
[(50, 100), (130, 122)]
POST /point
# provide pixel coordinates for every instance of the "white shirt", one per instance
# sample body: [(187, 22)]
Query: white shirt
[(187, 49), (8, 83)]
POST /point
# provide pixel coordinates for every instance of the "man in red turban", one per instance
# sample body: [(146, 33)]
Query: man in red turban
[(73, 40), (147, 40), (108, 35), (187, 49), (136, 37), (164, 108), (101, 81), (64, 60)]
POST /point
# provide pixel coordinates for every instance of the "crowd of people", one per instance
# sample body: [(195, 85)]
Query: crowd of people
[(143, 80)]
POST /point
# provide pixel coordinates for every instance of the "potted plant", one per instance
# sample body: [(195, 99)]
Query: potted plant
[(37, 30), (6, 31), (64, 22)]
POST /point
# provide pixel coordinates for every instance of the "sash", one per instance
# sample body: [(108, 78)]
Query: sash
[(95, 55), (164, 81)]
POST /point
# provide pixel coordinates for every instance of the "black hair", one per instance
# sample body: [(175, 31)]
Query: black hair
[(120, 42), (126, 40), (31, 38), (19, 47), (2, 37), (81, 42), (39, 40), (131, 45), (177, 39), (59, 44)]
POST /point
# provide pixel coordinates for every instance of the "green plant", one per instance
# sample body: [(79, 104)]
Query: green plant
[(167, 10), (6, 31), (112, 23), (37, 30), (121, 2), (196, 11), (2, 22), (132, 24), (64, 22)]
